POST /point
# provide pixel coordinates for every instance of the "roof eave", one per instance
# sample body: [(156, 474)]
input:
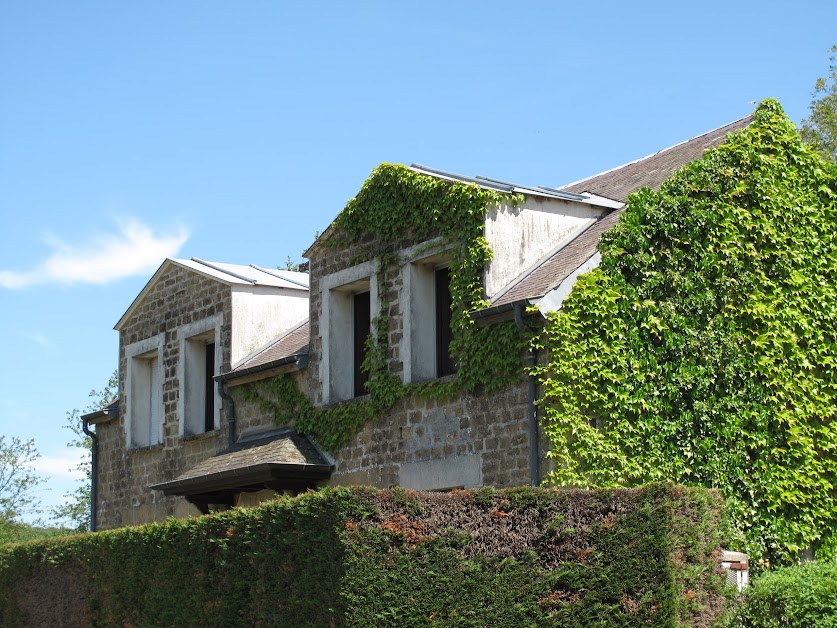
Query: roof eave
[(244, 476), (287, 364), (500, 313)]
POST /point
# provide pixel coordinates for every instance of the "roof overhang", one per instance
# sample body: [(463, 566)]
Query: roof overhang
[(253, 477), (287, 364), (500, 313), (102, 415), (279, 460)]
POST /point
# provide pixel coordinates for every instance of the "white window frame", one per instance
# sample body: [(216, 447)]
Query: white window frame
[(144, 394), (192, 338), (337, 326)]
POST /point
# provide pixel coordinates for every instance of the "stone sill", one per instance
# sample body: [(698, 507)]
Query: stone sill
[(201, 436), (345, 402), (147, 448)]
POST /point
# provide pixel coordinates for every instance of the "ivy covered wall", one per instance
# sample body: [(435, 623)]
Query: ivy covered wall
[(704, 349), (398, 209)]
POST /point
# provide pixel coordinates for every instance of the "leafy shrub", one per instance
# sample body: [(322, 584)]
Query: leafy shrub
[(801, 595)]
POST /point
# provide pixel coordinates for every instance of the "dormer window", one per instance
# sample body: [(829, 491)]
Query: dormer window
[(200, 361), (144, 393), (350, 302), (426, 347)]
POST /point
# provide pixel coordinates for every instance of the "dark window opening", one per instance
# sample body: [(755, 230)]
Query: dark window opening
[(209, 388), (362, 328), (445, 364)]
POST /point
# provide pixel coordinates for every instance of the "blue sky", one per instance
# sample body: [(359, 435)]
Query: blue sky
[(236, 131)]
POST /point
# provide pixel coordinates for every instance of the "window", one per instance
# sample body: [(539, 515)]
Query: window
[(362, 326), (200, 360), (350, 302), (144, 391), (444, 334), (426, 349)]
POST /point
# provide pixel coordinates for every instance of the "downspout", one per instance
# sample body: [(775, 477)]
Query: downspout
[(229, 404), (94, 464), (531, 360)]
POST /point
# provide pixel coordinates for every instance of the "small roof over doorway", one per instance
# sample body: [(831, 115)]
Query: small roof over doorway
[(280, 460)]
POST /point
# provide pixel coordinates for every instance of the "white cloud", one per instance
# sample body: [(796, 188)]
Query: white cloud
[(60, 466), (36, 337), (134, 250)]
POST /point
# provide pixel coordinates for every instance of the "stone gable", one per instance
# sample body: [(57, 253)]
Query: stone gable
[(178, 298)]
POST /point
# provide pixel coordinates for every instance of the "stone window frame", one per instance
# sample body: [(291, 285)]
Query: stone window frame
[(136, 354), (336, 326), (191, 375), (418, 342)]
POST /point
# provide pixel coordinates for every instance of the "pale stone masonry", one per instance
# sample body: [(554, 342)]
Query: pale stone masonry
[(179, 298), (470, 440)]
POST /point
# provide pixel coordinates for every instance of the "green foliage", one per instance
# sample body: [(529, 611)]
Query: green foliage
[(76, 508), (397, 207), (19, 532), (703, 350), (800, 595), (819, 129), (362, 557), (18, 479)]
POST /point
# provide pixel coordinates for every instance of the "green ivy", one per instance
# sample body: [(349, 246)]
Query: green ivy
[(397, 207), (704, 349)]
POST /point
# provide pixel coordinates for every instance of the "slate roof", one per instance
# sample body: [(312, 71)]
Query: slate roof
[(279, 351), (652, 170), (280, 454), (616, 184)]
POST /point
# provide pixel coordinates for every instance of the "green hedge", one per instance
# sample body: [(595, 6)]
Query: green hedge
[(802, 595), (363, 557)]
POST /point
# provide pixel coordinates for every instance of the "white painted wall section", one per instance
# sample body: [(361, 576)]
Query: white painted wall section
[(260, 314), (520, 236)]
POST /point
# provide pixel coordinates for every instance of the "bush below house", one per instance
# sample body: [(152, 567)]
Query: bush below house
[(360, 557)]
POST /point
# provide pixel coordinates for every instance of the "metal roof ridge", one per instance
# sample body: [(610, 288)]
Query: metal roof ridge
[(268, 271), (503, 186), (214, 266)]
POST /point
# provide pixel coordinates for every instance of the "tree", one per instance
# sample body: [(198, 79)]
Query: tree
[(76, 508), (18, 479), (703, 350), (820, 128)]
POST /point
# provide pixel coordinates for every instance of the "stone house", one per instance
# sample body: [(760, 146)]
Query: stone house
[(167, 450)]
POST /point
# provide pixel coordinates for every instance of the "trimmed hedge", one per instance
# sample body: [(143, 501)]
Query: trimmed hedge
[(359, 556), (802, 595)]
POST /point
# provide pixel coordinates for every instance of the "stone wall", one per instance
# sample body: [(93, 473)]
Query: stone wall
[(179, 297)]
